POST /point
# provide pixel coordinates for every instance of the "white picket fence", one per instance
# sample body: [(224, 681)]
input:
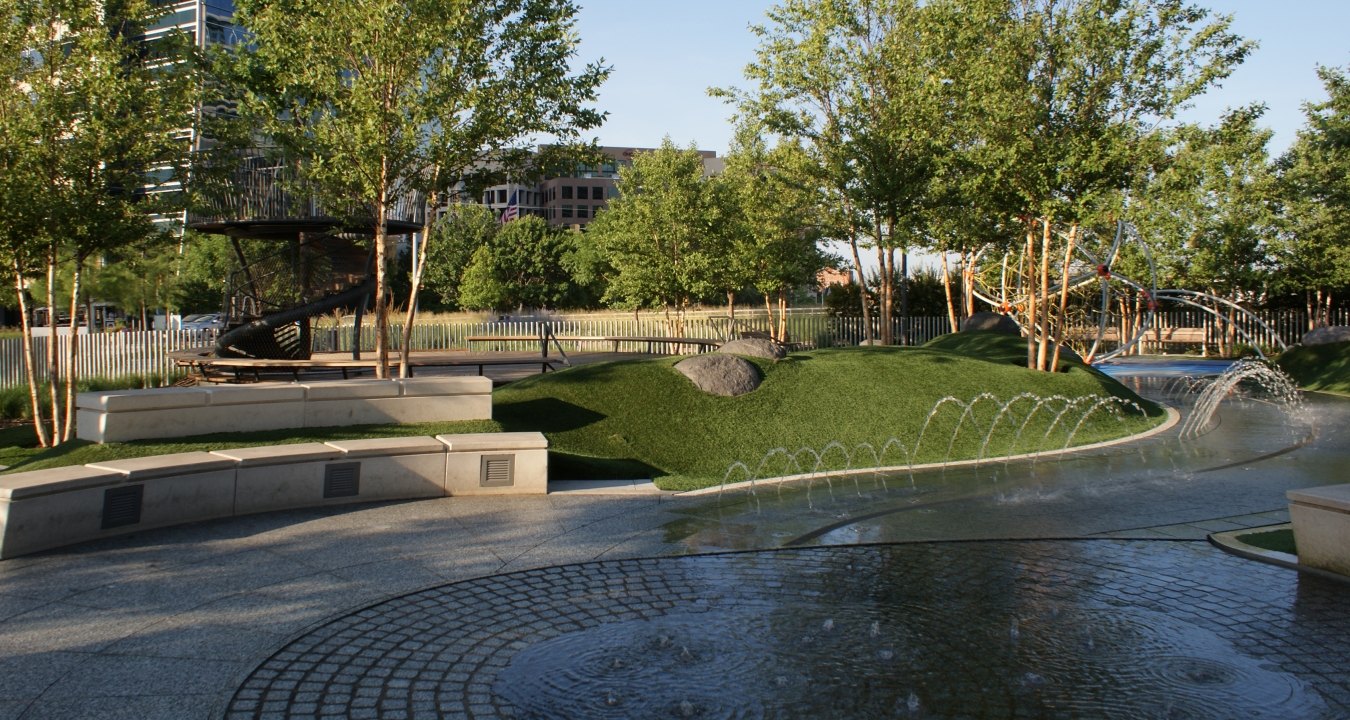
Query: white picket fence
[(120, 354)]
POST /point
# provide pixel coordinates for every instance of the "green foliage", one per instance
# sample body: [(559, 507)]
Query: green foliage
[(659, 235), (455, 237), (643, 417), (522, 265), (1210, 212), (1316, 191), (480, 289), (768, 206)]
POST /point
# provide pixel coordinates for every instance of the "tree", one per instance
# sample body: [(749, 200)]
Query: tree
[(377, 113), (103, 110), (769, 211), (1315, 188), (854, 80), (659, 235), (1210, 211), (1062, 111), (522, 265), (454, 238)]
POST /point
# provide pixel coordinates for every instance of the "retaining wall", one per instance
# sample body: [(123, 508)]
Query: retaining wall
[(45, 509), (121, 415)]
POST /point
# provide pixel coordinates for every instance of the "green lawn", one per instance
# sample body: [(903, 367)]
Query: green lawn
[(1319, 367), (642, 418)]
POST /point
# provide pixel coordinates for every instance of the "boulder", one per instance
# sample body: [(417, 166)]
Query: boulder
[(991, 322), (720, 374), (754, 347), (1327, 335)]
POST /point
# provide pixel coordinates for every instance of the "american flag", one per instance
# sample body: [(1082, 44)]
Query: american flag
[(512, 210)]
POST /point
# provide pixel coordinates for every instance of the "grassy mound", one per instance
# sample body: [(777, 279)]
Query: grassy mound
[(1318, 367), (642, 418)]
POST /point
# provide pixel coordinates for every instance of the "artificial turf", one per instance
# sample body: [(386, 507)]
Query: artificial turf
[(1319, 367), (642, 418)]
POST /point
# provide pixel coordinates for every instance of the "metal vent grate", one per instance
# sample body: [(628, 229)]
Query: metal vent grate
[(498, 471), (342, 480), (122, 506)]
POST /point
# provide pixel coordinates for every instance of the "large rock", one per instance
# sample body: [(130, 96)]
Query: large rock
[(1327, 335), (725, 375), (991, 322), (754, 347)]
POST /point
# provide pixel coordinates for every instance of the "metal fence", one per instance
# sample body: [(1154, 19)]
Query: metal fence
[(121, 354), (102, 355)]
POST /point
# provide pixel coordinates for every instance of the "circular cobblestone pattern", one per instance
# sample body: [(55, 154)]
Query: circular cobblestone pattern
[(997, 629)]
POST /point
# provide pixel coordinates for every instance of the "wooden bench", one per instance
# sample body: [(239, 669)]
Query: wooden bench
[(1185, 335)]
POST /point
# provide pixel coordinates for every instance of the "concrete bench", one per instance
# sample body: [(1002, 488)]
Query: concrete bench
[(46, 509), (121, 415), (1321, 518)]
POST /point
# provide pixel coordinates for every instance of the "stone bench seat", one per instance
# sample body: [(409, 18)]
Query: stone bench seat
[(1321, 519), (122, 415), (45, 509)]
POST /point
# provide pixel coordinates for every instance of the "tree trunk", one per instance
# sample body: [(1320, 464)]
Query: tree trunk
[(1043, 345), (731, 315), (53, 366), (29, 362), (419, 258), (1061, 323), (862, 286), (904, 297), (381, 272), (1032, 330), (782, 316), (72, 372), (968, 260), (947, 288)]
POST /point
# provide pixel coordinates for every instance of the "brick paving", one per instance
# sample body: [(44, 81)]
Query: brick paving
[(1100, 628)]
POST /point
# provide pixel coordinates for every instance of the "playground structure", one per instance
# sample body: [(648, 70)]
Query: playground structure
[(1099, 266), (298, 258)]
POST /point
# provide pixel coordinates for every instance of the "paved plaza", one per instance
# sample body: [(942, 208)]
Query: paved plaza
[(1074, 588)]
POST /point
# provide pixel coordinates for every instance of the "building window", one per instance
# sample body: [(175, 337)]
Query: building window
[(566, 210), (582, 211), (597, 193), (567, 192), (501, 196), (613, 191)]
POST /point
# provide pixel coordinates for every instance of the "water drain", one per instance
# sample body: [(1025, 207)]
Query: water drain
[(122, 506), (497, 471), (342, 480)]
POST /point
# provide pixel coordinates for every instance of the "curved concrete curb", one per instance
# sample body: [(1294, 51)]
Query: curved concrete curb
[(1229, 542)]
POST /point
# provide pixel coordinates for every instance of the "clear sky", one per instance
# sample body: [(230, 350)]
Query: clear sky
[(666, 54)]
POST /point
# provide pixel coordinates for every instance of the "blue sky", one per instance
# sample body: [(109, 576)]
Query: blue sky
[(666, 54)]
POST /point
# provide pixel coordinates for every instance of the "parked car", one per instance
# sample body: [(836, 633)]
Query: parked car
[(204, 322)]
